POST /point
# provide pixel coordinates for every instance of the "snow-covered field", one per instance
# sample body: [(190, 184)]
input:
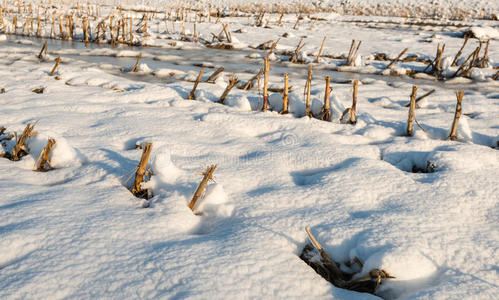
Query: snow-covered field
[(422, 208)]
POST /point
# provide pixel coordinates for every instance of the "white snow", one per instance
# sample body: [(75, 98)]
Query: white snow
[(422, 208)]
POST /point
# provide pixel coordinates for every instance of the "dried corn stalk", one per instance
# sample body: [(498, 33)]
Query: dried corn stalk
[(135, 68), (192, 95), (412, 107), (19, 148), (44, 158), (233, 81), (208, 175), (57, 62), (141, 172), (457, 115)]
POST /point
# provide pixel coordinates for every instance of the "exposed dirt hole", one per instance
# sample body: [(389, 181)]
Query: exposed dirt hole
[(430, 168), (333, 271)]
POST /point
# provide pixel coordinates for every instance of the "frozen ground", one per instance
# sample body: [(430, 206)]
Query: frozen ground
[(77, 232)]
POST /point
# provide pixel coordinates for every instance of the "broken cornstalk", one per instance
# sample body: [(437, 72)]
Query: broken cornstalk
[(44, 49), (483, 62), (353, 109), (249, 84), (285, 105), (336, 275), (412, 107), (457, 115), (297, 21), (136, 67), (396, 59), (233, 81), (308, 88), (19, 149), (330, 269), (458, 54), (57, 62), (326, 112), (265, 83), (320, 50), (44, 158), (421, 98), (192, 95), (352, 54), (208, 175), (137, 190), (215, 74), (294, 56)]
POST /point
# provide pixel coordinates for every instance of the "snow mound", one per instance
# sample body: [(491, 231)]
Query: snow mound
[(163, 166), (241, 103), (484, 33), (215, 202), (63, 155), (402, 263), (127, 53)]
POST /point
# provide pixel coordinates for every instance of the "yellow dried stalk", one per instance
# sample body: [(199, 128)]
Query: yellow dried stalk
[(320, 50), (265, 83), (215, 74), (27, 132), (397, 58), (308, 88), (57, 62), (285, 103), (199, 191), (327, 259), (141, 170), (412, 108), (326, 112), (232, 83), (134, 69), (351, 59), (249, 84), (350, 52), (44, 158), (297, 21), (457, 115), (353, 109), (44, 48), (192, 95), (421, 98), (85, 30)]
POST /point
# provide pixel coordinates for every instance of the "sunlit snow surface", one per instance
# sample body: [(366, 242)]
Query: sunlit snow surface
[(76, 232)]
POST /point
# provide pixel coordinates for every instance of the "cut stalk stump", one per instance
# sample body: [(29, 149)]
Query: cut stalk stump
[(326, 112), (207, 176), (265, 83), (192, 95), (233, 81), (457, 115), (20, 149), (307, 91), (141, 172), (42, 164), (412, 108), (396, 59), (43, 51), (285, 102), (249, 84), (421, 98), (214, 75), (351, 111), (57, 62), (136, 66)]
